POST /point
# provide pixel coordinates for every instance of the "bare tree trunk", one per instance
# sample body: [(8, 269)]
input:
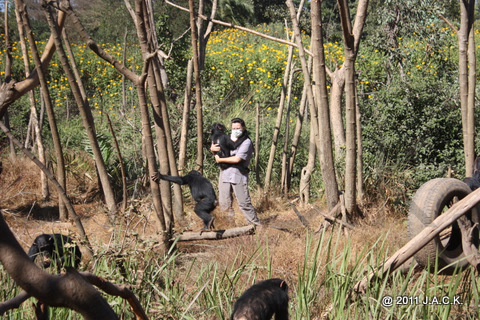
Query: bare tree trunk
[(257, 144), (182, 154), (336, 115), (144, 33), (124, 89), (122, 164), (87, 118), (472, 76), (33, 112), (304, 190), (285, 178), (314, 130), (198, 87), (466, 7), (298, 131), (150, 46), (359, 148), (299, 123), (78, 78), (8, 73), (278, 121), (321, 97), (151, 162), (204, 32), (351, 36), (61, 175), (281, 105), (350, 114)]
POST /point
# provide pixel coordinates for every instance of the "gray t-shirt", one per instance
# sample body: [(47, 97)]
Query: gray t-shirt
[(233, 174)]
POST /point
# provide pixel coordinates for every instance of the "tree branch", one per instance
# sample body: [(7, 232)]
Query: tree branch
[(231, 25), (11, 91), (14, 303), (448, 22), (68, 290), (117, 290)]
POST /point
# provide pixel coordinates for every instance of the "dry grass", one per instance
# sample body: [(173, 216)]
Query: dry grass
[(269, 253)]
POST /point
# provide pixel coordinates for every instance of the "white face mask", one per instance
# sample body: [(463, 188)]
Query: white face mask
[(236, 133)]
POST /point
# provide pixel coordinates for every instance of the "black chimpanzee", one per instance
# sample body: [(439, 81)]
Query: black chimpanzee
[(474, 181), (262, 300), (55, 247), (219, 136), (202, 192)]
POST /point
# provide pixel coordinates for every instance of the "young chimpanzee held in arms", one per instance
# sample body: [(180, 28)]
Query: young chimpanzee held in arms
[(56, 248), (219, 136), (202, 192), (262, 300)]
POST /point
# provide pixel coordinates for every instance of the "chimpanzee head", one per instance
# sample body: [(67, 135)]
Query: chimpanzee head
[(218, 127), (45, 245), (194, 173)]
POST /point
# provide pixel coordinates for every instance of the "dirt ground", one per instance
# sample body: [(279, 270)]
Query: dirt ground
[(283, 231)]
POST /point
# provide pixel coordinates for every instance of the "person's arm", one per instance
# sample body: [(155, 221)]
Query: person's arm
[(241, 154), (214, 148), (229, 160)]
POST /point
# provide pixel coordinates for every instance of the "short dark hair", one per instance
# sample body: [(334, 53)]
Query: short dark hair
[(238, 120)]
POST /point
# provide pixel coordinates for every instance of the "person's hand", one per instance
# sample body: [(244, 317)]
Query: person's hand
[(214, 147), (217, 159)]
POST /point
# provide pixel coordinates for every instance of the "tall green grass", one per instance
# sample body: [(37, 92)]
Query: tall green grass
[(174, 286)]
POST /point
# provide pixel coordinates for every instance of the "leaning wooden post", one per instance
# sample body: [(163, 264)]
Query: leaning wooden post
[(421, 239), (217, 234)]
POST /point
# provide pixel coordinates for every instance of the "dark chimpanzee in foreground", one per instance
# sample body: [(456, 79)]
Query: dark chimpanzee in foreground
[(219, 136), (474, 181), (202, 192), (262, 300), (56, 247)]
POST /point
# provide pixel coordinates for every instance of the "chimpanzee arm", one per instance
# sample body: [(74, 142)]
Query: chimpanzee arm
[(178, 180), (227, 142)]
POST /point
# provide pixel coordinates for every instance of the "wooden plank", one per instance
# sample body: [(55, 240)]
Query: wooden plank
[(216, 234), (420, 240)]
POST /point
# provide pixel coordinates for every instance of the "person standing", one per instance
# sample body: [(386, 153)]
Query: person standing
[(234, 177)]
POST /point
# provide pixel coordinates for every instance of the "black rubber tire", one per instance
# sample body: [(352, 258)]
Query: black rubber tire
[(431, 200)]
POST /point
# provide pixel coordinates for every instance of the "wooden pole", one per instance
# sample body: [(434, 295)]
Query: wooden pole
[(421, 239)]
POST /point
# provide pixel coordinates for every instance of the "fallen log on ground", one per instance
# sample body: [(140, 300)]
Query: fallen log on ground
[(421, 239), (216, 234)]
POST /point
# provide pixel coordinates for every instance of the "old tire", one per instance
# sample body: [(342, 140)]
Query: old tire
[(431, 200)]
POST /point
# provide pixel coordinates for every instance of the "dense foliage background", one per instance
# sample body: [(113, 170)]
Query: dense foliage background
[(406, 76)]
